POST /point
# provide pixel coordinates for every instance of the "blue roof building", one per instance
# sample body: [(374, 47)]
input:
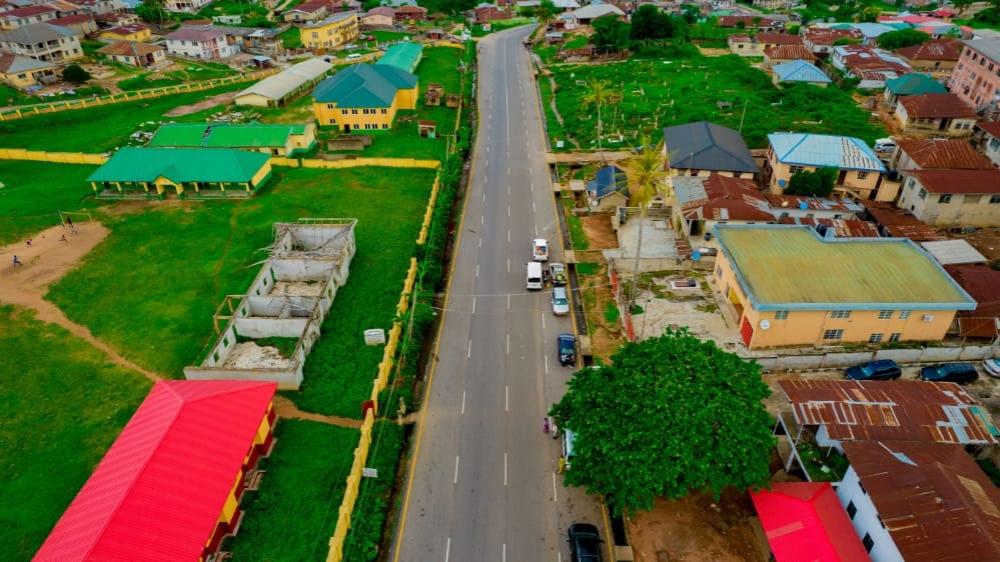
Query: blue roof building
[(800, 71), (608, 181), (860, 170)]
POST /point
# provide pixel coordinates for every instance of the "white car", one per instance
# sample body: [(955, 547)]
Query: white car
[(560, 303), (992, 367)]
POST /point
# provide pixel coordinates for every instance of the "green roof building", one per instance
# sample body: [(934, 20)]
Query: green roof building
[(364, 97), (152, 172), (913, 84), (276, 140), (404, 56)]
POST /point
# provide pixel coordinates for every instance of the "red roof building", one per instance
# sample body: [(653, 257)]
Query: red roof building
[(924, 154), (169, 486), (983, 284), (805, 521)]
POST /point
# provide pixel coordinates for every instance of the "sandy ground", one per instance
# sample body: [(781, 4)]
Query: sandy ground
[(220, 99)]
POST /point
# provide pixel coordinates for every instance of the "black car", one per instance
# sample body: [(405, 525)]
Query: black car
[(880, 370), (961, 373), (584, 543), (567, 349)]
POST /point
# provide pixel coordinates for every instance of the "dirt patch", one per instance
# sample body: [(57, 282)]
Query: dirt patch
[(603, 325), (599, 232), (221, 99), (987, 242)]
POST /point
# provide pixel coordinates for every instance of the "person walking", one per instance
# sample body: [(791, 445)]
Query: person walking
[(545, 425), (555, 430), (17, 261), (64, 239), (69, 221)]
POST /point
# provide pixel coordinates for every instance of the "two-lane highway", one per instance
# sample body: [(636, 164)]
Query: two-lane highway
[(482, 483)]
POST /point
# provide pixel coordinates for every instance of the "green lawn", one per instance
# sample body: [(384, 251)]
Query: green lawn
[(64, 404), (294, 513), (660, 93), (98, 129), (34, 193)]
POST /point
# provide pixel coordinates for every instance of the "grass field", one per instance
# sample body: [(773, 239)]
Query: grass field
[(34, 193), (64, 404)]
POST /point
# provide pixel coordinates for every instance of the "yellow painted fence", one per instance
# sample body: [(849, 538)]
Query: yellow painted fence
[(355, 163), (60, 157)]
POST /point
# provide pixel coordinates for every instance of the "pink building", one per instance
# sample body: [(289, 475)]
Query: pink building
[(976, 79)]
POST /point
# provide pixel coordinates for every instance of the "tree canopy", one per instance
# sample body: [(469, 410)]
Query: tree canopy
[(650, 23), (671, 415), (812, 184), (610, 34), (75, 74), (902, 38)]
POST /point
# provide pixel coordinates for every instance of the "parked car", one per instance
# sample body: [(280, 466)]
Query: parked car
[(540, 249), (961, 373), (584, 543), (885, 145), (880, 370), (560, 303), (558, 273), (566, 345), (992, 367)]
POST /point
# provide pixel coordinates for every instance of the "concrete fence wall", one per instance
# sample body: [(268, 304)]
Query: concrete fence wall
[(814, 361), (355, 163), (56, 157)]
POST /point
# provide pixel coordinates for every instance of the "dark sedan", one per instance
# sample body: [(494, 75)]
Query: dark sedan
[(566, 344), (584, 543), (880, 370), (962, 373)]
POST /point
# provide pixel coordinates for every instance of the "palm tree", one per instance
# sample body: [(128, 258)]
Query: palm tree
[(648, 179), (598, 93)]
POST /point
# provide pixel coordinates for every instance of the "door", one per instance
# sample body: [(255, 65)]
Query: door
[(746, 332), (347, 128), (841, 177)]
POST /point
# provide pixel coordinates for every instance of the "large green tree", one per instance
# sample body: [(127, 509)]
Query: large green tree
[(902, 38), (670, 416), (812, 184), (610, 34), (650, 23)]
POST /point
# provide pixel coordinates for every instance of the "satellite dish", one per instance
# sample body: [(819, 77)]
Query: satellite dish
[(765, 324)]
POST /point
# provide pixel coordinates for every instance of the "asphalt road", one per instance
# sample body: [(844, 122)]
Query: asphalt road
[(482, 484)]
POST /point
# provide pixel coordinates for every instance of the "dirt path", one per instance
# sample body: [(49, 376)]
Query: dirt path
[(285, 408)]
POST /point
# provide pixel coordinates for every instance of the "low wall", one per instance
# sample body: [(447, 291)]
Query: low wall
[(806, 361), (56, 157), (355, 163), (286, 379)]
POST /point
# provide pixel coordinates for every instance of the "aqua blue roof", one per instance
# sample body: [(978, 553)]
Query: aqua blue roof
[(364, 85), (404, 56), (915, 84), (799, 71), (824, 151)]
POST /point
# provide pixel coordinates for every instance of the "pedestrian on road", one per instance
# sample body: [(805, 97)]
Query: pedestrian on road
[(72, 229), (29, 241), (555, 430), (63, 239), (545, 425), (69, 221), (17, 261)]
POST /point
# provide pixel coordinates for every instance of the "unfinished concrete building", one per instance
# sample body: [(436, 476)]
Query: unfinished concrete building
[(286, 305)]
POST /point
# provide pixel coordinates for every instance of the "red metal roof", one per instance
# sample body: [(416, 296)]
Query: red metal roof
[(934, 500), (958, 181), (160, 489), (944, 153), (934, 106), (891, 410), (899, 223), (790, 52), (983, 285), (991, 127), (843, 228), (938, 49), (805, 521)]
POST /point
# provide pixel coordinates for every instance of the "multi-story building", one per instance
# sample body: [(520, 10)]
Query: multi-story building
[(19, 17), (860, 171), (199, 43), (42, 41), (185, 6), (331, 32), (952, 197), (988, 135), (976, 78), (364, 97), (937, 57)]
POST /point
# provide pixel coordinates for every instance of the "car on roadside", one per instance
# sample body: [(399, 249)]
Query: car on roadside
[(584, 543), (962, 373), (992, 367), (566, 346), (560, 302), (557, 272), (879, 370)]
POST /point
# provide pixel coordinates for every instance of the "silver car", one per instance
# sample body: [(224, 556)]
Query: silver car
[(560, 303)]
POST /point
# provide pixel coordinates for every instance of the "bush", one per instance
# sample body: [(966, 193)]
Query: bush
[(75, 74)]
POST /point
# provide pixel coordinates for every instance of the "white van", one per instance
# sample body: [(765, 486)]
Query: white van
[(567, 447), (353, 56), (534, 280), (885, 145)]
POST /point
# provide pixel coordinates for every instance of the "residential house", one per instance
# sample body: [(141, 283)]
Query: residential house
[(81, 25), (20, 17), (608, 190), (382, 16), (114, 19), (988, 137), (749, 22), (870, 65), (101, 7), (771, 4), (131, 32), (871, 31), (787, 53), (755, 46), (808, 207), (332, 32), (805, 521), (364, 97), (976, 78), (893, 222), (860, 171), (405, 56), (981, 282), (938, 57), (193, 446), (946, 198), (704, 149), (308, 12), (272, 139), (702, 202), (153, 171), (185, 6), (912, 84), (925, 154), (42, 41), (820, 40), (935, 114), (197, 43), (24, 72), (591, 12), (799, 71), (785, 286), (64, 8), (249, 39), (139, 55), (288, 85), (900, 492), (486, 14), (405, 14)]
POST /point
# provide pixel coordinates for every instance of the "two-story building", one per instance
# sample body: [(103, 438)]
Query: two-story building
[(185, 6), (976, 78), (988, 137), (935, 114), (859, 174), (24, 72), (42, 41), (330, 33), (821, 40), (704, 149), (20, 17), (786, 286), (952, 197), (199, 43), (380, 17), (937, 57), (364, 97)]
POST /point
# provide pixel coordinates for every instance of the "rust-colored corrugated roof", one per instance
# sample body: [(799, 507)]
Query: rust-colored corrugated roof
[(790, 52), (958, 181), (891, 411), (899, 223), (842, 228), (937, 49), (936, 106), (130, 48), (944, 153), (983, 284), (779, 39), (827, 36), (991, 127), (934, 500)]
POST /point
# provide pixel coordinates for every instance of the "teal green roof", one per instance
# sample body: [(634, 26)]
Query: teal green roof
[(364, 85), (222, 135), (404, 56), (915, 84), (133, 164)]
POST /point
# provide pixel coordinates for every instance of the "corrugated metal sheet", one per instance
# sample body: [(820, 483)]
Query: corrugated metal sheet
[(899, 223), (707, 146), (936, 106), (287, 81), (944, 153), (889, 411), (806, 149)]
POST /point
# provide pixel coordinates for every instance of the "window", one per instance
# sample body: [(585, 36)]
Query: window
[(718, 271), (862, 175), (868, 542), (875, 338), (385, 125), (354, 112), (911, 183), (333, 121), (329, 106), (994, 199), (840, 314), (781, 315), (343, 112), (922, 193), (904, 314), (794, 169), (894, 337), (315, 34), (994, 143), (884, 314), (385, 111), (944, 199), (851, 509), (833, 334)]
